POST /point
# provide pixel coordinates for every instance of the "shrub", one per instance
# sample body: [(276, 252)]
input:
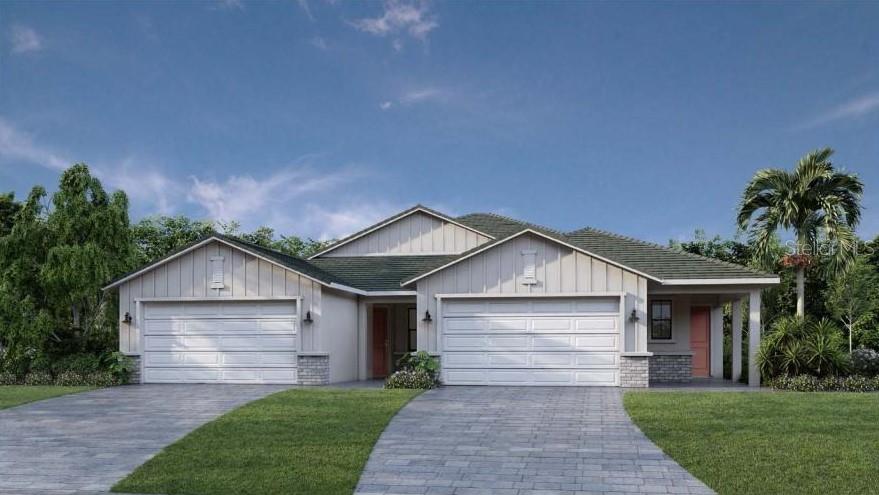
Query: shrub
[(411, 379), (797, 346), (77, 363), (70, 379), (38, 378), (865, 362), (101, 379), (119, 366), (810, 383), (8, 378), (420, 361)]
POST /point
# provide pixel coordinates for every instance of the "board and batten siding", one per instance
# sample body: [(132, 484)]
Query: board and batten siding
[(244, 275), (559, 270), (417, 233)]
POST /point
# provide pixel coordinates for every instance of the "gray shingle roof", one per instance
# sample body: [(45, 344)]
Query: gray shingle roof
[(379, 273), (660, 261), (383, 273), (652, 259)]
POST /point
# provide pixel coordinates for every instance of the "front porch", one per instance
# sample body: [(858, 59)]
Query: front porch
[(388, 329), (685, 334)]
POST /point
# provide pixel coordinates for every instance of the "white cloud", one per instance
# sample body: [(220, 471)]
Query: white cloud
[(16, 146), (143, 183), (421, 95), (319, 43), (24, 39), (303, 4), (278, 200), (416, 96), (851, 109), (413, 18)]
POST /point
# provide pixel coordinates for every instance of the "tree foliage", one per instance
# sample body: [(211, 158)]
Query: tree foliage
[(819, 204), (53, 264)]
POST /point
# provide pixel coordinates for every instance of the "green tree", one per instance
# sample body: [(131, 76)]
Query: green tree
[(853, 298), (156, 237), (53, 264), (90, 244), (26, 324), (8, 208), (819, 204)]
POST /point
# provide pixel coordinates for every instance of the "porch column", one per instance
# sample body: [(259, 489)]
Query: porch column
[(362, 339), (736, 340), (716, 341), (753, 337)]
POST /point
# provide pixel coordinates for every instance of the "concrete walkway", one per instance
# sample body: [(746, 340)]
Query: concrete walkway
[(84, 443), (519, 441)]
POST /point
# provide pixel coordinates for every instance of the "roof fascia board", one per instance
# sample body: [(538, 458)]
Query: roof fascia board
[(393, 219), (521, 233), (723, 281)]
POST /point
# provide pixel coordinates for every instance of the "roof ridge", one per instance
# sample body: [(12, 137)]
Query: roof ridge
[(667, 248), (511, 219)]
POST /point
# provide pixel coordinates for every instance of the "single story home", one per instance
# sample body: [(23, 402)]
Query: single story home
[(499, 301)]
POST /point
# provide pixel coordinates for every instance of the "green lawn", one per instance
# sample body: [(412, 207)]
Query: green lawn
[(14, 395), (302, 441), (767, 443)]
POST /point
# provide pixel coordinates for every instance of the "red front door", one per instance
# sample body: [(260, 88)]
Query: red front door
[(379, 342), (700, 324)]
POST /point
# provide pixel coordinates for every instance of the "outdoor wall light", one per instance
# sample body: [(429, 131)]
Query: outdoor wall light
[(427, 318), (308, 317), (127, 318), (634, 316)]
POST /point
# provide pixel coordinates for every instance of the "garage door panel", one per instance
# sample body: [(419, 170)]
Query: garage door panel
[(531, 342), (220, 342)]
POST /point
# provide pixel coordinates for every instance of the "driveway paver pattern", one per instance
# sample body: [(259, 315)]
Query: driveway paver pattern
[(84, 443), (519, 441)]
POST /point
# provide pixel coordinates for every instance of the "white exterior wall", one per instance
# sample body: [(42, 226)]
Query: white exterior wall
[(559, 270), (339, 327), (417, 233), (244, 276)]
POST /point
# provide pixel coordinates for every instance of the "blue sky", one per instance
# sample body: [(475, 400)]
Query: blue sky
[(319, 117)]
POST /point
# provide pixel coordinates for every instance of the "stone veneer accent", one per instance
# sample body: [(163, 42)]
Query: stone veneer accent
[(134, 378), (314, 369), (634, 371), (670, 368)]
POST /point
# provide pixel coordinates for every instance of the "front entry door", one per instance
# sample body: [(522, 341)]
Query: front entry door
[(700, 325), (379, 342)]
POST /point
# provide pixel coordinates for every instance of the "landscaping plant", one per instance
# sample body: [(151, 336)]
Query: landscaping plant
[(418, 370), (797, 346)]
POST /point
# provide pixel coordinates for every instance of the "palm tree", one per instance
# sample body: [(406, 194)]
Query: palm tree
[(816, 202)]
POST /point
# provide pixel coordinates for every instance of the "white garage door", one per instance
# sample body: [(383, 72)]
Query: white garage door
[(530, 341), (220, 342)]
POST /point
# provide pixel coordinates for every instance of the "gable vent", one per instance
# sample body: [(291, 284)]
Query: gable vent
[(529, 268), (217, 272)]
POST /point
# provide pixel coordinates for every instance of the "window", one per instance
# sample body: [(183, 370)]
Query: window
[(660, 320), (413, 329), (529, 268)]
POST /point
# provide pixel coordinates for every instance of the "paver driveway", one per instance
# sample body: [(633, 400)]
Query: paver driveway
[(84, 443), (518, 441)]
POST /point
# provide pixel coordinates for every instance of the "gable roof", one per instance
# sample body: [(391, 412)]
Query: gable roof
[(660, 263), (287, 261), (390, 220)]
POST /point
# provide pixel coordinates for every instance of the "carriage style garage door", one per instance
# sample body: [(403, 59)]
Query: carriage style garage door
[(220, 342), (536, 341)]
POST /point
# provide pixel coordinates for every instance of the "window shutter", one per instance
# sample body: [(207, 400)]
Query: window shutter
[(217, 272), (529, 269)]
